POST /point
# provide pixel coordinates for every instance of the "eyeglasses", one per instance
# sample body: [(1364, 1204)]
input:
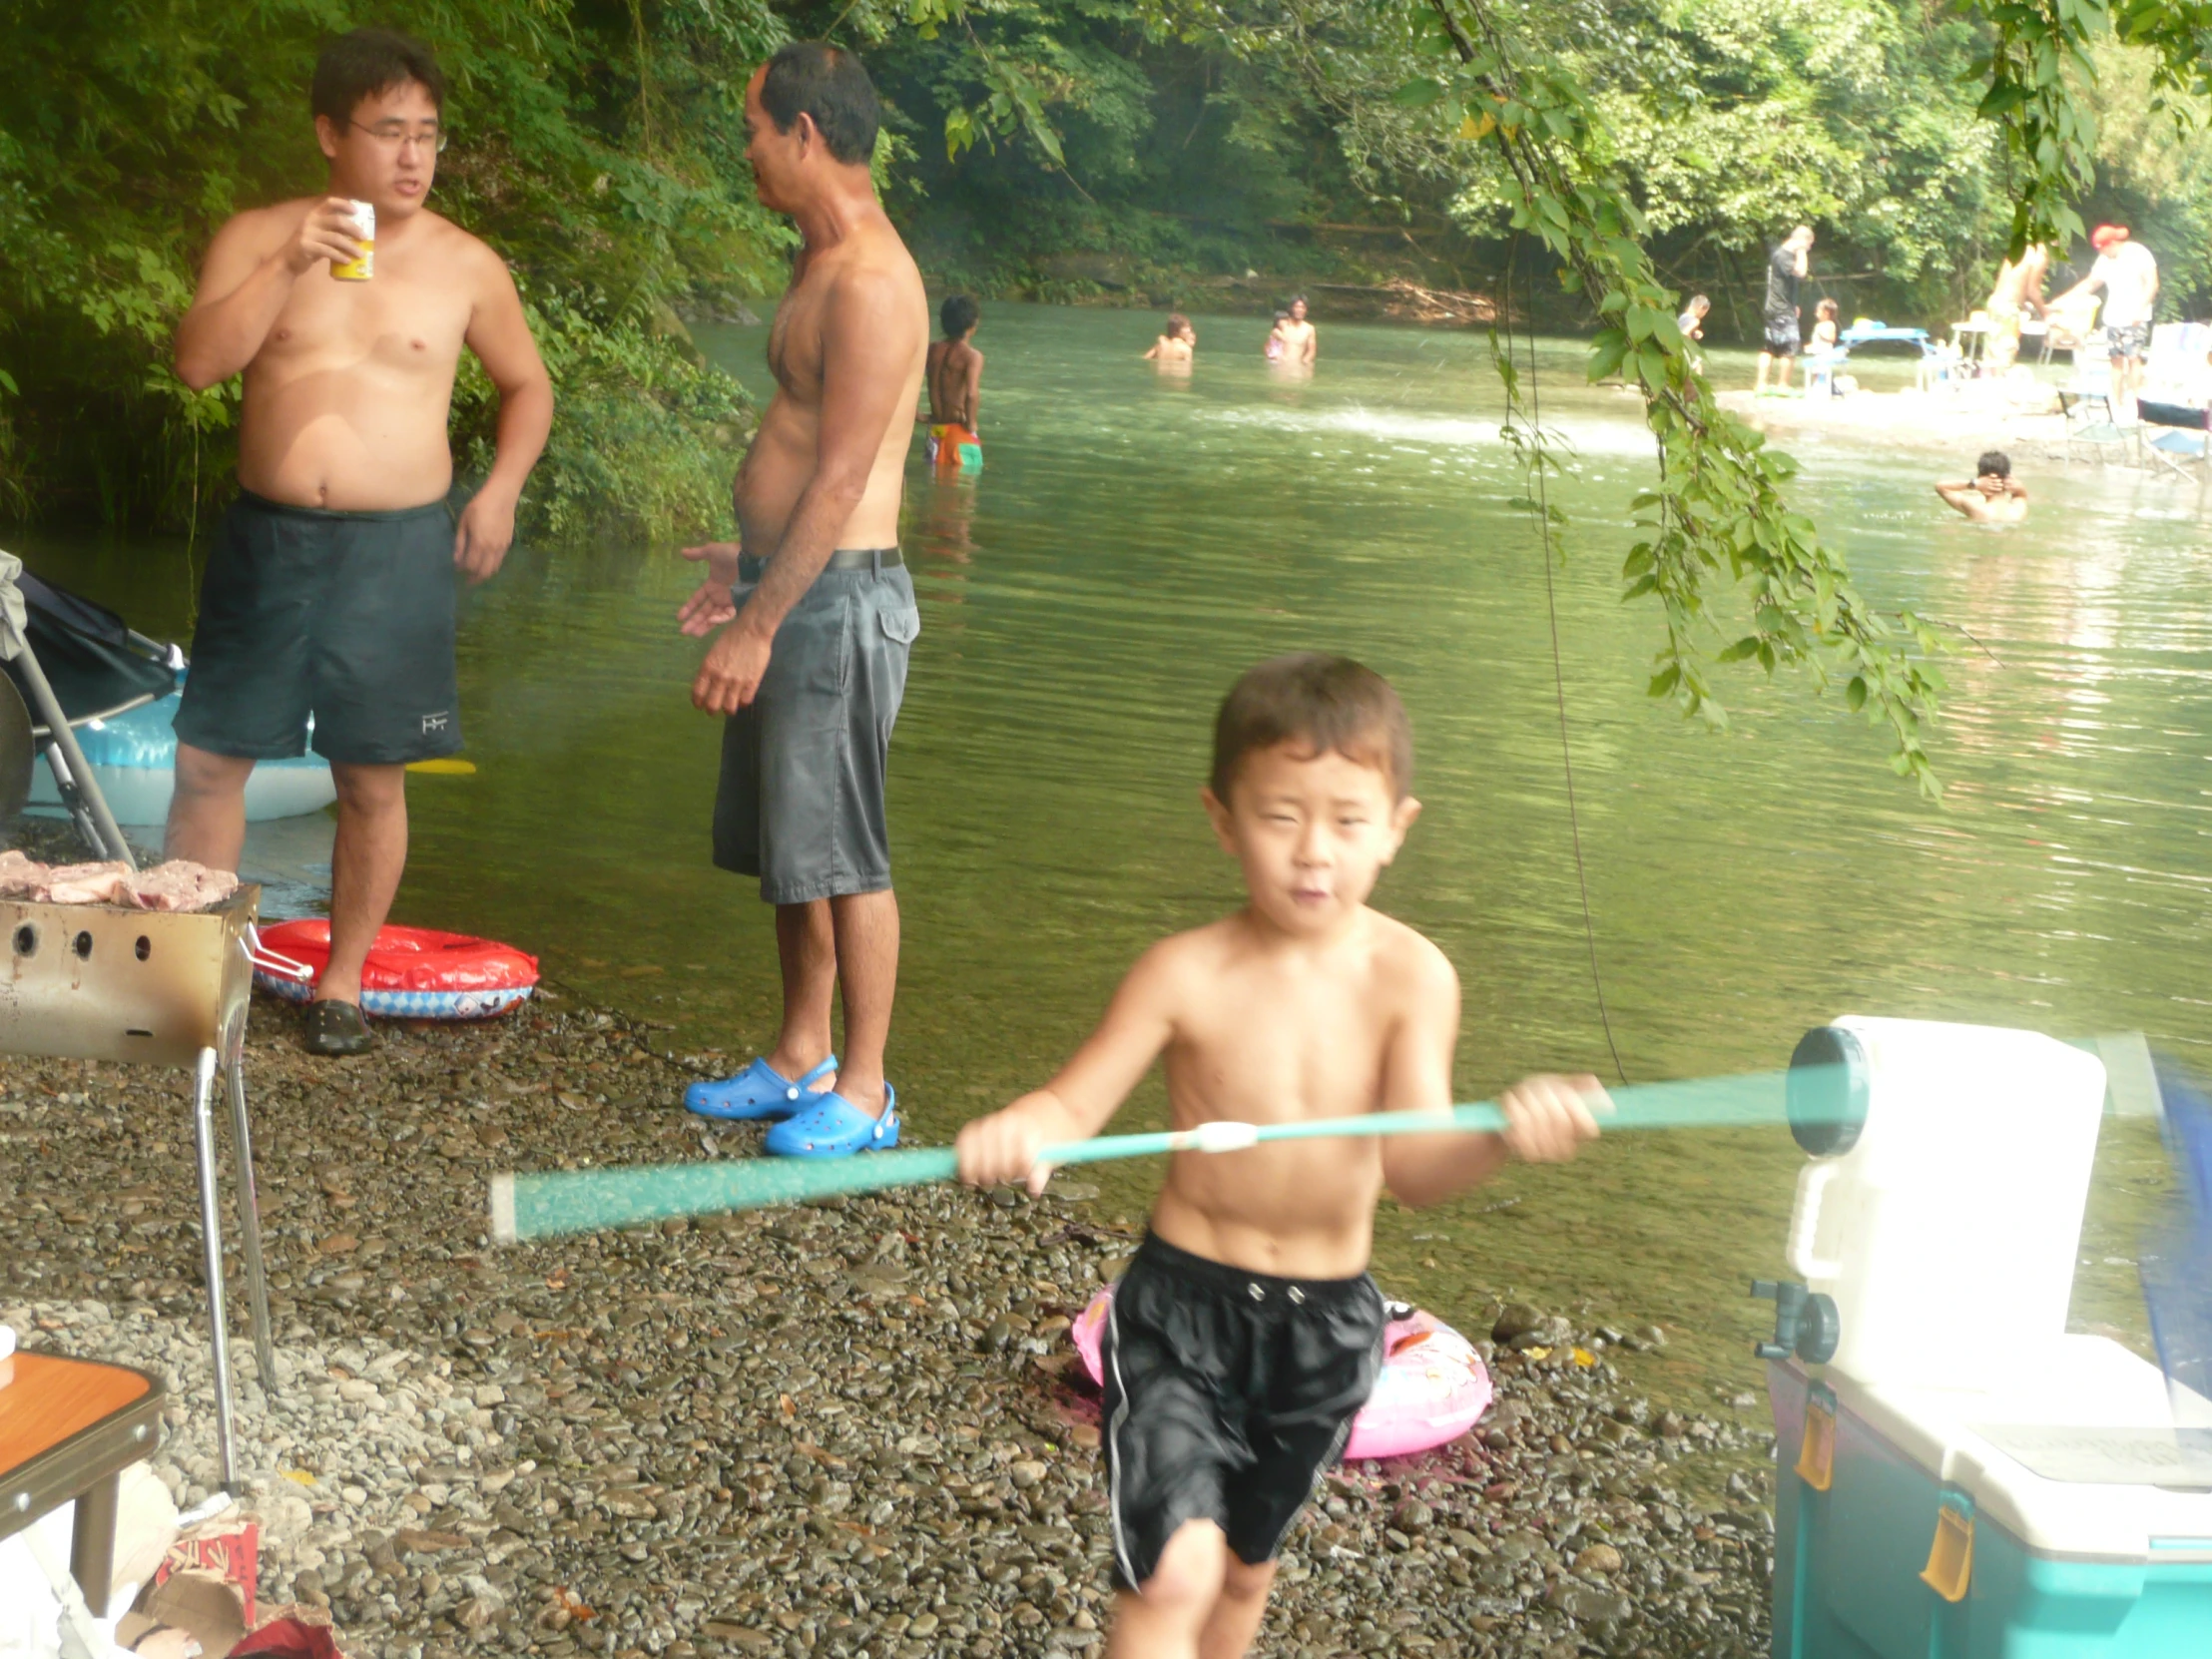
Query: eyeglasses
[(395, 138)]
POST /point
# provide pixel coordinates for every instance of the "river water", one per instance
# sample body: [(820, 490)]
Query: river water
[(1137, 538)]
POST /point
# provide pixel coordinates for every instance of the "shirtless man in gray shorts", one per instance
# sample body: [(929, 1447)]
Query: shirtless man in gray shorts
[(329, 588), (814, 612)]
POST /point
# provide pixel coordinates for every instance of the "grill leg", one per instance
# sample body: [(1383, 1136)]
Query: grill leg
[(211, 1229), (249, 1226)]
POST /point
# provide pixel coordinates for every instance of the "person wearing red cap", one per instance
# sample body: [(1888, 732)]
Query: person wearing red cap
[(2127, 272)]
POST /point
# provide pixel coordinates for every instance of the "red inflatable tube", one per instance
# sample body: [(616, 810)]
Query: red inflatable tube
[(411, 972)]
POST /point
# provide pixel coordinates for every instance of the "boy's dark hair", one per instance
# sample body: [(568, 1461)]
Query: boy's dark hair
[(1177, 322), (369, 60), (809, 78), (1994, 464), (1331, 704), (958, 314)]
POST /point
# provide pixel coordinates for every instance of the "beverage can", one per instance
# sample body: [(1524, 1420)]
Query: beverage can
[(364, 268)]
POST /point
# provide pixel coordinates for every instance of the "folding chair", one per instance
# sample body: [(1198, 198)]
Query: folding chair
[(2087, 406), (2182, 441)]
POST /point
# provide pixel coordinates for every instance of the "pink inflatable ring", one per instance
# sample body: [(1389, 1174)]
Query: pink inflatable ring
[(1433, 1387)]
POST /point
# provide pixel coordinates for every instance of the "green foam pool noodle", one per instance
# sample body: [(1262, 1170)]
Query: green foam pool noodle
[(537, 1205)]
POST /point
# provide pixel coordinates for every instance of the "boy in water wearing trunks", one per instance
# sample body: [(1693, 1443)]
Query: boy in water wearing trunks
[(1246, 1333), (955, 378)]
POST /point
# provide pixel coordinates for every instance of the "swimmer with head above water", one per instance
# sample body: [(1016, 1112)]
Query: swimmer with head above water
[(1993, 495), (1177, 344), (1292, 339)]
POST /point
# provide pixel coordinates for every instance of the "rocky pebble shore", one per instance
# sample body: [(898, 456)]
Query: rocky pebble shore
[(851, 1428)]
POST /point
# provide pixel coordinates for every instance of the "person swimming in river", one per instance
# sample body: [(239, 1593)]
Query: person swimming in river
[(1993, 495), (1178, 344), (1293, 340), (1246, 1333), (955, 380)]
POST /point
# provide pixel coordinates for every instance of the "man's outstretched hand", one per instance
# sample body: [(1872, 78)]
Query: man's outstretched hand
[(730, 675), (711, 604)]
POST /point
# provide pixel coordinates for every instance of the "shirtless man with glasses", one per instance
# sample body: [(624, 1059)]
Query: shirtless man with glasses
[(329, 590)]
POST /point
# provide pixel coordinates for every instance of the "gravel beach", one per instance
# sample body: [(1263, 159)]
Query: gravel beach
[(851, 1428)]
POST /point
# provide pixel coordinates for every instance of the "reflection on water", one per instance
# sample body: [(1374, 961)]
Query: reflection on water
[(1135, 540)]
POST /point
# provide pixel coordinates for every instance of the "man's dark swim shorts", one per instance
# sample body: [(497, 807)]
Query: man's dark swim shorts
[(1228, 1394), (800, 801), (344, 616), (1782, 336)]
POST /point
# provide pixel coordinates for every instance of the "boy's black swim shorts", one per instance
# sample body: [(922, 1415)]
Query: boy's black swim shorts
[(1226, 1394)]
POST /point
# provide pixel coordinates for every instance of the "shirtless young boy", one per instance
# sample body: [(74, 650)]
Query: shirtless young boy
[(330, 589), (1993, 495), (955, 374), (1246, 1333)]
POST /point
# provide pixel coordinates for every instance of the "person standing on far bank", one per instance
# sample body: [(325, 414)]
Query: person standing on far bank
[(2127, 272), (330, 589), (813, 613), (1787, 267)]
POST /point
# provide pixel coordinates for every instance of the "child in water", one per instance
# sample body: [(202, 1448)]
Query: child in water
[(1177, 344), (955, 378), (1246, 1333), (1993, 495), (1276, 341)]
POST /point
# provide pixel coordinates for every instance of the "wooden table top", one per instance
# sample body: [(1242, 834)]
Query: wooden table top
[(52, 1399)]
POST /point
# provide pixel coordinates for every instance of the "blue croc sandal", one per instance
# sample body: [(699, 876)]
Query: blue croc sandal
[(832, 1127), (759, 1091)]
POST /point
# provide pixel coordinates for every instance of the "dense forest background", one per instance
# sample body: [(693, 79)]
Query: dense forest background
[(1196, 153)]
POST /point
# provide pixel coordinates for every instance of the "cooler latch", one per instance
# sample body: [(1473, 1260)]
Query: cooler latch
[(1949, 1568), (1806, 1322)]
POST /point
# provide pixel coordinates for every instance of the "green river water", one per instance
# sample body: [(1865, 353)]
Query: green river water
[(1137, 538)]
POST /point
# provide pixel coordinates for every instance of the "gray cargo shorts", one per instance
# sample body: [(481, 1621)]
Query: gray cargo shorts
[(800, 801)]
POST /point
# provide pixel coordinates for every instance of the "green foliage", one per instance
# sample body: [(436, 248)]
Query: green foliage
[(598, 147), (1716, 507), (1067, 147), (1063, 146)]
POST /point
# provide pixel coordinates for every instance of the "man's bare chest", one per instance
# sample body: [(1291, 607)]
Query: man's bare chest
[(795, 343), (390, 322)]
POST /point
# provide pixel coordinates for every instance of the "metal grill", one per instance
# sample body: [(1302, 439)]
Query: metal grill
[(159, 989)]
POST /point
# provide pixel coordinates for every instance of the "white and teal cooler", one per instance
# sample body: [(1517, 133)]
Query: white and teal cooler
[(1959, 1477)]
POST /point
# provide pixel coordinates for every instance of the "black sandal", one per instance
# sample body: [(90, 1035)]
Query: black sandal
[(337, 1028)]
